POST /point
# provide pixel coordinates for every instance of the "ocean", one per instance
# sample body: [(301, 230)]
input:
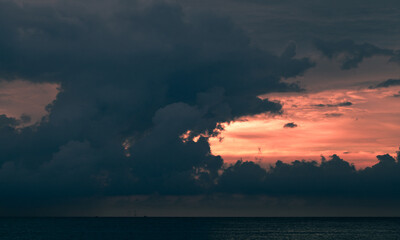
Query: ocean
[(199, 228)]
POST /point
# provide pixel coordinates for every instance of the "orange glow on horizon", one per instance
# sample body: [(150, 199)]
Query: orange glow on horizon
[(356, 124)]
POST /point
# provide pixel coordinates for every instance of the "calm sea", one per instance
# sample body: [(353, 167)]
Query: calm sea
[(199, 228)]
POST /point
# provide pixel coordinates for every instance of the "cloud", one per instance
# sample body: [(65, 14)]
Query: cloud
[(387, 83), (243, 177), (133, 78), (351, 54), (329, 178), (7, 122), (273, 24), (12, 123), (329, 115), (290, 125), (342, 104)]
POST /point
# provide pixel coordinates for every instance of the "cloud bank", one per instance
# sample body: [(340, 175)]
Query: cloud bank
[(134, 78)]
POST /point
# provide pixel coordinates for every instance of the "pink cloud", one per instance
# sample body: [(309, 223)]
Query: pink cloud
[(358, 131)]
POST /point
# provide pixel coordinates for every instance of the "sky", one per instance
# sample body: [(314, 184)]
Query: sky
[(199, 108)]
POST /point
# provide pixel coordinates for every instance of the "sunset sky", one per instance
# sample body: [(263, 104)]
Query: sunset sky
[(175, 108), (357, 123)]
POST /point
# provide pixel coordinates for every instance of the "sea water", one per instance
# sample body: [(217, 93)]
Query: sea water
[(199, 228)]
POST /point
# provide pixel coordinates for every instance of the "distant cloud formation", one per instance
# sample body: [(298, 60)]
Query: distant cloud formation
[(290, 125), (351, 54), (342, 104), (133, 78), (329, 115), (143, 86), (334, 177), (387, 83), (8, 122)]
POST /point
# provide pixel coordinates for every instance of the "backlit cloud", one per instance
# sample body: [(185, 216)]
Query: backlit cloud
[(146, 101)]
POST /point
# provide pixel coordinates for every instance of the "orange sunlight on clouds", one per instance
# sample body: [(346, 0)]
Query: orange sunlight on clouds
[(356, 124)]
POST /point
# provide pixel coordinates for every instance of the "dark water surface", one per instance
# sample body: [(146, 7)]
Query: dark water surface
[(199, 228)]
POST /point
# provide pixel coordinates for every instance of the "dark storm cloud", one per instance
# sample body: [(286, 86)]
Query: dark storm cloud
[(303, 21), (243, 177), (12, 123), (134, 78), (7, 122), (351, 54), (290, 125), (387, 83), (139, 81), (334, 177)]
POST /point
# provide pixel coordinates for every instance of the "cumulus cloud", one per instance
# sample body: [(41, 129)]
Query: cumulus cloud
[(134, 77), (334, 177), (7, 122), (12, 123)]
